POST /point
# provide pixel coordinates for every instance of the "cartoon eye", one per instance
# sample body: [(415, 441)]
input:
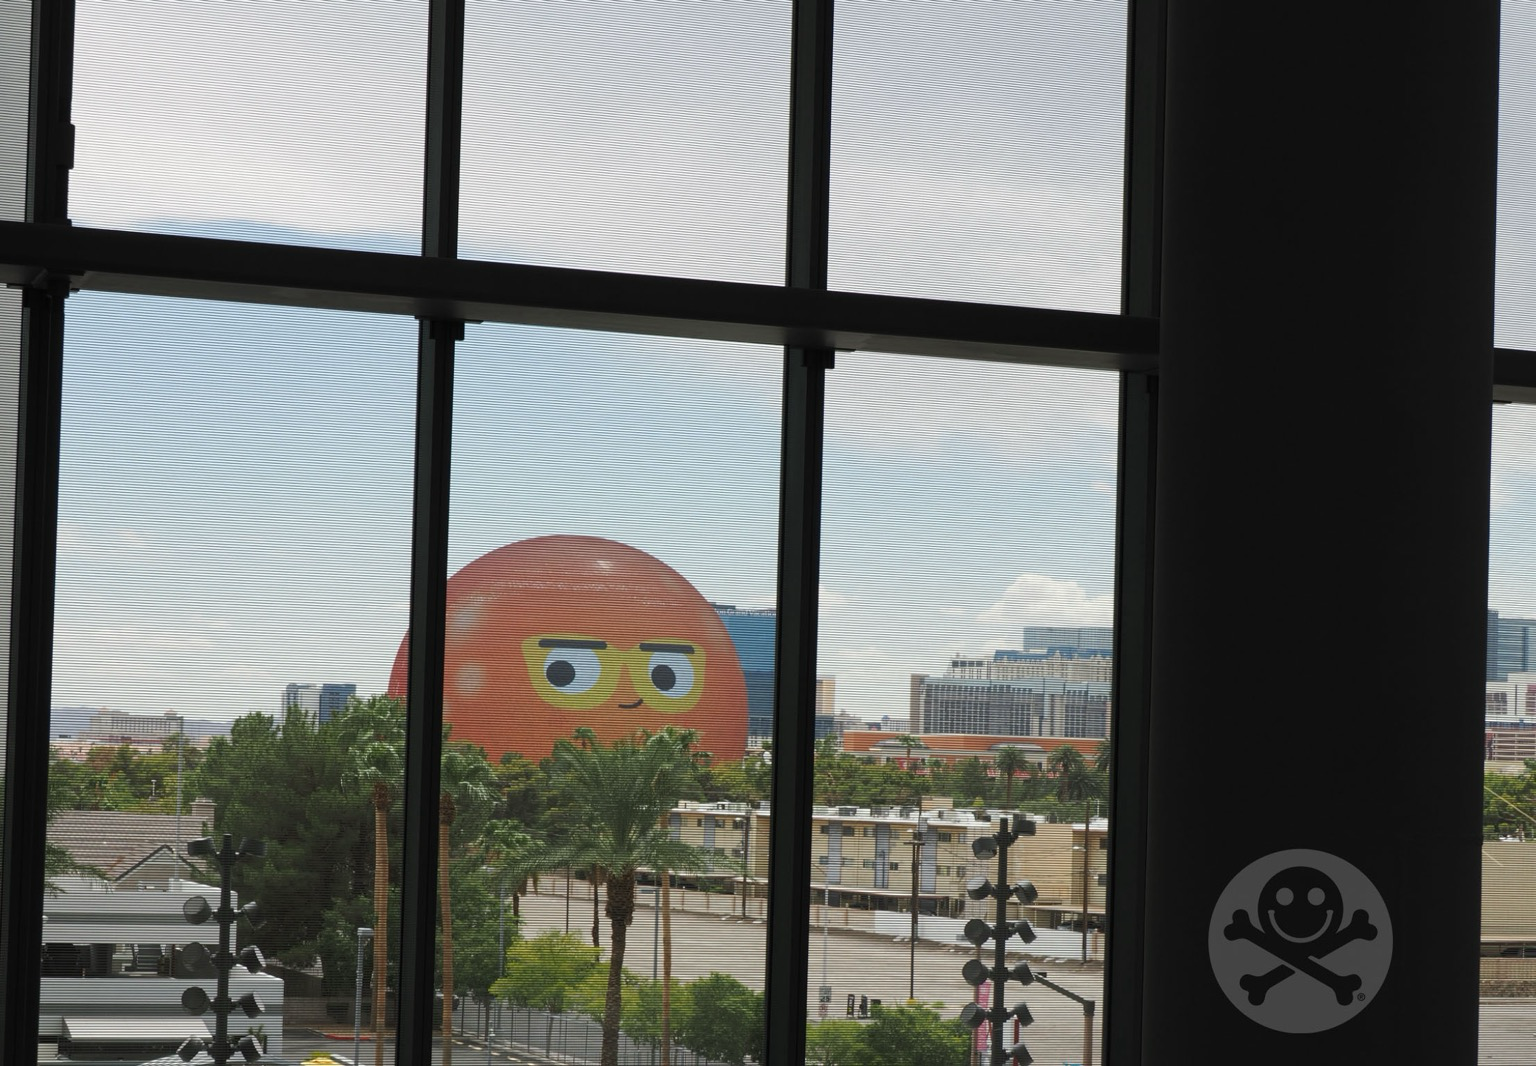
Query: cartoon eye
[(671, 673), (1316, 896), (572, 670), (1284, 897)]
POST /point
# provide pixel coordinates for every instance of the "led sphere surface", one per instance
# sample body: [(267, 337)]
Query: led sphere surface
[(547, 635)]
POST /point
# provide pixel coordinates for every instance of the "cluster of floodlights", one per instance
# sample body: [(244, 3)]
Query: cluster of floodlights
[(196, 1001), (978, 931)]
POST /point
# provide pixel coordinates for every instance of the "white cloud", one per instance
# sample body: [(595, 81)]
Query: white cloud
[(826, 597), (889, 404), (1036, 599)]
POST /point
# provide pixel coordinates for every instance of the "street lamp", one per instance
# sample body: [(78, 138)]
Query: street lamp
[(364, 937), (655, 891), (181, 739), (1084, 850), (917, 863), (824, 994)]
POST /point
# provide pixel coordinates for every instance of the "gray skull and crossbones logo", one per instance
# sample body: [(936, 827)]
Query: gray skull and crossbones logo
[(1301, 922)]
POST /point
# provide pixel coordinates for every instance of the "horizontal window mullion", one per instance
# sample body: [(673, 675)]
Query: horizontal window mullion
[(202, 268)]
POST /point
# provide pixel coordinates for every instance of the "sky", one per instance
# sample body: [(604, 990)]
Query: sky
[(236, 480)]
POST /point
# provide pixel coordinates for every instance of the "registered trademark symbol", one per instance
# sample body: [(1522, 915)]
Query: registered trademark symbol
[(1361, 997)]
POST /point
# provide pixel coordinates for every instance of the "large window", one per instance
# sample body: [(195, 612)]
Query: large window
[(635, 137), (256, 121), (978, 151), (964, 673), (233, 551), (612, 578), (622, 509), (625, 654)]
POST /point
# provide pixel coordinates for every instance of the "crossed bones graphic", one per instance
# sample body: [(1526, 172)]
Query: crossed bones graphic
[(1296, 953)]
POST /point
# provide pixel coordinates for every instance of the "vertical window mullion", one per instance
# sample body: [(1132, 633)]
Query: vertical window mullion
[(810, 153), (429, 544), (1135, 495), (30, 684), (50, 153)]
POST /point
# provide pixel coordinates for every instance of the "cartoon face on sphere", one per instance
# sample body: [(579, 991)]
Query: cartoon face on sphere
[(1301, 905), (551, 634)]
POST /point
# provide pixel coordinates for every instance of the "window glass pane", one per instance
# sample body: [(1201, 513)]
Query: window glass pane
[(1508, 942), (15, 31), (295, 123), (614, 545), (977, 151), (635, 137), (1515, 300), (10, 362), (965, 649), (234, 537), (15, 42)]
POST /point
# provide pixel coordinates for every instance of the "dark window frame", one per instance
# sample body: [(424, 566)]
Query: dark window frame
[(49, 259)]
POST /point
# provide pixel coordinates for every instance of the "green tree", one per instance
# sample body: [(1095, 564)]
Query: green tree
[(280, 782), (643, 1012), (1509, 803), (1011, 762), (723, 1020), (375, 730), (1077, 783), (546, 972), (518, 859), (622, 794), (466, 781), (524, 791), (916, 1036), (836, 1042), (967, 779)]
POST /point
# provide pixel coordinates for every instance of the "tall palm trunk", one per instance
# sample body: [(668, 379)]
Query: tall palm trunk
[(380, 914), (596, 926), (621, 911), (666, 968), (445, 815)]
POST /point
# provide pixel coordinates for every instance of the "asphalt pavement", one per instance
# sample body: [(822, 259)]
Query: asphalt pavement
[(856, 963)]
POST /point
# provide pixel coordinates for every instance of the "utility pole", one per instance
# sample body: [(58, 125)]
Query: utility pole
[(917, 860)]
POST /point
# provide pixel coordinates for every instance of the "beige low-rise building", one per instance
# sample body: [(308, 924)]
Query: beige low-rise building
[(866, 857)]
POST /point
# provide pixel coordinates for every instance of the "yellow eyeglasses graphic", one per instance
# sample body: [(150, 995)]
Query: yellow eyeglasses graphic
[(578, 673)]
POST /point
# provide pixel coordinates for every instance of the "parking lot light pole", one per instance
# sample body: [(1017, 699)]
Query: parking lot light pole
[(364, 936), (917, 863)]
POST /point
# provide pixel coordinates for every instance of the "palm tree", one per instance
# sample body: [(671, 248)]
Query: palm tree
[(519, 857), (445, 816), (1103, 756), (1010, 762), (466, 783), (624, 792), (909, 741), (376, 731), (1076, 782)]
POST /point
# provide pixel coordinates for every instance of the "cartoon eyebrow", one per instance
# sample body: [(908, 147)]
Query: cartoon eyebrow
[(684, 649), (572, 642)]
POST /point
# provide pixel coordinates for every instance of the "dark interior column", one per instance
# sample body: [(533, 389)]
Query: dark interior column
[(1320, 583)]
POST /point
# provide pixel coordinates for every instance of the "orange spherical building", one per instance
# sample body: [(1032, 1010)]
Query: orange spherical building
[(550, 634)]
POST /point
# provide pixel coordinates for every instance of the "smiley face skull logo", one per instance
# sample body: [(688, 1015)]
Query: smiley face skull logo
[(1300, 940), (1301, 923)]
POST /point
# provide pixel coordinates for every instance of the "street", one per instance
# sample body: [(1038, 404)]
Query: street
[(857, 963)]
